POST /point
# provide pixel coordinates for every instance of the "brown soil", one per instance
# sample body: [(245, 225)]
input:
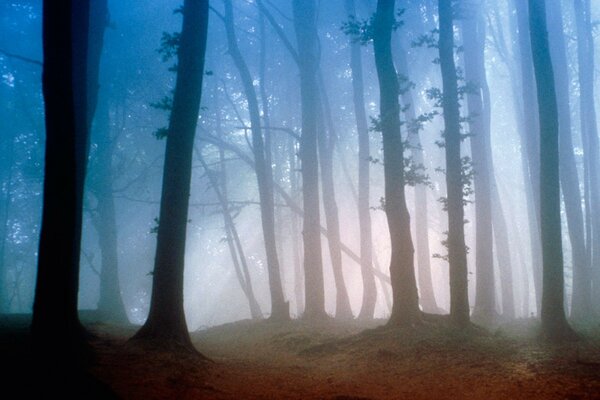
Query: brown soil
[(346, 361), (295, 360)]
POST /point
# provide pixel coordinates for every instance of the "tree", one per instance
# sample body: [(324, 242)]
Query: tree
[(421, 220), (369, 299), (264, 172), (55, 325), (569, 178), (479, 127), (554, 323), (326, 142), (530, 144), (457, 254), (583, 296), (166, 320), (305, 18), (405, 309)]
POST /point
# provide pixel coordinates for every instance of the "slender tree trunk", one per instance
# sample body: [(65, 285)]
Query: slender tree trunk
[(369, 299), (554, 323), (457, 255), (530, 143), (326, 143), (233, 240), (166, 320), (110, 304), (405, 310), (583, 297), (426, 292), (569, 178), (264, 173), (55, 327), (294, 231), (479, 126), (305, 19)]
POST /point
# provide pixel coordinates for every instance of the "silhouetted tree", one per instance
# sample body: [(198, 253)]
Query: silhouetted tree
[(305, 19), (405, 309), (530, 144), (421, 214), (457, 254), (569, 178), (554, 323), (369, 299), (55, 327), (264, 172), (473, 24), (166, 323), (583, 295)]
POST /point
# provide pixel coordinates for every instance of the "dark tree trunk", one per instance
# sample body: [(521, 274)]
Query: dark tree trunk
[(554, 323), (479, 127), (426, 292), (457, 255), (55, 327), (264, 173), (305, 20), (369, 299), (326, 138), (530, 145), (569, 179), (583, 297), (166, 320), (405, 309)]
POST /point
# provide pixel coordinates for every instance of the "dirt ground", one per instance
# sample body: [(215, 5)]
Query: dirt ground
[(349, 361), (264, 360)]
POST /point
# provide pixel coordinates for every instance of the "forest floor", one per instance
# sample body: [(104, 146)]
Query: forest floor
[(350, 361)]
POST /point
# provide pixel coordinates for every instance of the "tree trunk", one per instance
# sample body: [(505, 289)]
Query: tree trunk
[(457, 255), (583, 297), (264, 174), (326, 143), (55, 326), (531, 145), (405, 309), (554, 323), (479, 127), (369, 299), (569, 178), (166, 320), (426, 292), (305, 19), (110, 304)]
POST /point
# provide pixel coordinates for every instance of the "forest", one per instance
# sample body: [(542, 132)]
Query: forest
[(300, 199)]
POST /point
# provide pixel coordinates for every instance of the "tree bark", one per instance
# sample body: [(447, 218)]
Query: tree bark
[(166, 323), (479, 127), (369, 299), (457, 255), (305, 18), (554, 323), (583, 296), (405, 309), (326, 142), (264, 174), (531, 145), (55, 326), (426, 291)]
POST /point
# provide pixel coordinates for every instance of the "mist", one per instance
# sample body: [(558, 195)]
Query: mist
[(307, 178)]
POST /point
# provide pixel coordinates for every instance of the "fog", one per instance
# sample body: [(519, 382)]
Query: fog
[(134, 82)]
